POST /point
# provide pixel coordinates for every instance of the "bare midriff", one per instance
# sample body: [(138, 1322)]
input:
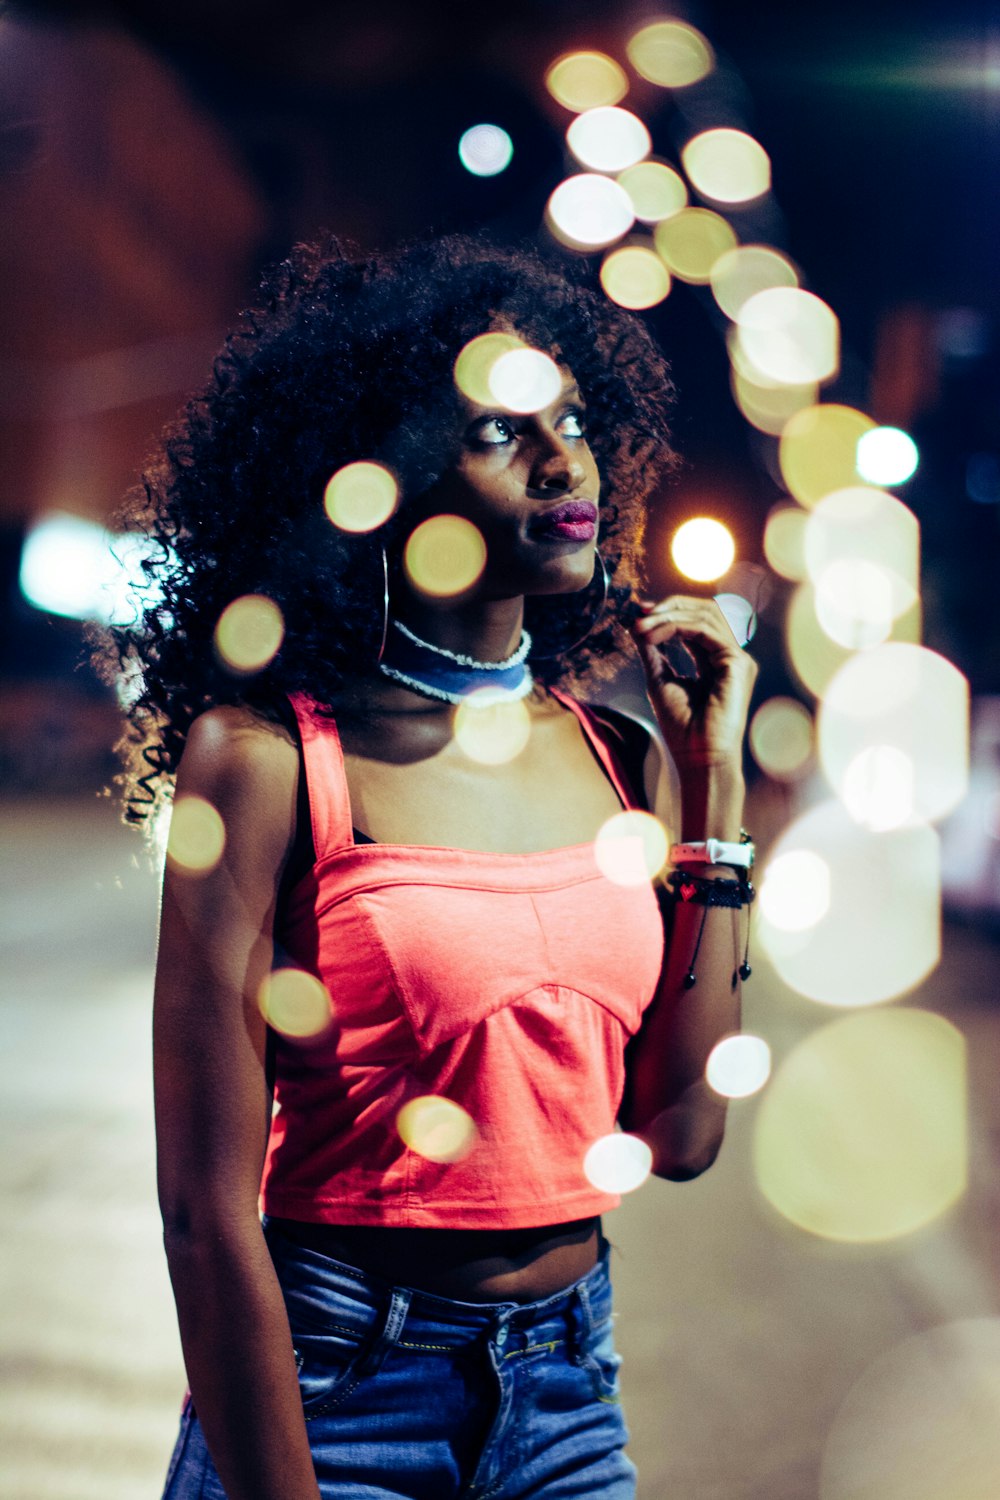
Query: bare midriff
[(467, 1265)]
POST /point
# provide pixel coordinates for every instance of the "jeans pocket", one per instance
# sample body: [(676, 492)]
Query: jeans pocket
[(179, 1447), (599, 1357), (326, 1359)]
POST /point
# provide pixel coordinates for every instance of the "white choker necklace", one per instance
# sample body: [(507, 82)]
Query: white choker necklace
[(447, 675)]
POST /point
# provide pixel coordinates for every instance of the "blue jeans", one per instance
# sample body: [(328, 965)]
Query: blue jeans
[(408, 1396)]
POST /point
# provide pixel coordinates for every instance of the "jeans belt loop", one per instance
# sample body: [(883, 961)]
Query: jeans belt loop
[(388, 1335)]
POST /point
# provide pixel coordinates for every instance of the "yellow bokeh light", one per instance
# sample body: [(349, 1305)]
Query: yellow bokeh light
[(249, 633), (920, 1422), (880, 932), (608, 139), (818, 450), (589, 211), (727, 165), (360, 496), (741, 273), (634, 276), (866, 525), (670, 53), (901, 698), (853, 602), (768, 407), (795, 890), (475, 363), (785, 541), (437, 1128), (631, 848), (738, 1066), (691, 242), (813, 655), (196, 838), (444, 555), (618, 1163), (525, 380), (861, 1136), (781, 738), (656, 190), (586, 80), (703, 549), (295, 1003), (789, 335), (491, 726)]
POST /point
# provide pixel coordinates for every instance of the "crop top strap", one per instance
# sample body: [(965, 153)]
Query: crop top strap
[(621, 762), (326, 780)]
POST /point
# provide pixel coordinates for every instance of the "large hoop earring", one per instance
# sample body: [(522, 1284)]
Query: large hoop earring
[(385, 607), (600, 570)]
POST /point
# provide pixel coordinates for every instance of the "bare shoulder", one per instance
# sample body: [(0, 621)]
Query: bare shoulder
[(247, 767)]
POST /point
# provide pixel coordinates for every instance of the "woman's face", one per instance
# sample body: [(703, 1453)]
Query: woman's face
[(531, 485)]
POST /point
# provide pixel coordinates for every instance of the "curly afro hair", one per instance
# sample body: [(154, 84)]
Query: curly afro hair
[(349, 357)]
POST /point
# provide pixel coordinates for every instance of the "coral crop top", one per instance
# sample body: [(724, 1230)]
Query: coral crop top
[(507, 983)]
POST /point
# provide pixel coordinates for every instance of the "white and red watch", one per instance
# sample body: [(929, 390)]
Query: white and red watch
[(714, 852)]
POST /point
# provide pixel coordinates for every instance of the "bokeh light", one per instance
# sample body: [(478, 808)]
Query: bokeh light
[(492, 726), (741, 617), (795, 890), (727, 165), (861, 1136), (249, 633), (631, 848), (813, 655), (789, 335), (781, 738), (853, 602), (634, 276), (587, 211), (879, 932), (887, 455), (525, 380), (656, 190), (870, 526), (785, 541), (670, 53), (360, 496), (608, 139), (586, 80), (437, 1128), (485, 150), (738, 1066), (618, 1163), (907, 699), (703, 549), (741, 273), (295, 1003), (475, 363), (768, 406), (444, 555), (878, 788), (920, 1423), (818, 450), (691, 242), (196, 838)]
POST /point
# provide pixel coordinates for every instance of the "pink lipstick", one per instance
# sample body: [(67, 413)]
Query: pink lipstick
[(575, 521)]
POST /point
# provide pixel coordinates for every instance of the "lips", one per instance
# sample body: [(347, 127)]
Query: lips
[(574, 521)]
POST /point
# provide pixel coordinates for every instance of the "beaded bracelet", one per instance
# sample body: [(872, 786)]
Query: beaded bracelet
[(697, 891)]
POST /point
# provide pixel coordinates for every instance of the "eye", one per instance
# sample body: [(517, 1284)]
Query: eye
[(492, 432), (573, 423)]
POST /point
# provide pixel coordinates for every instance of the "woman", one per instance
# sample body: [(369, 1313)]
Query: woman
[(411, 1321)]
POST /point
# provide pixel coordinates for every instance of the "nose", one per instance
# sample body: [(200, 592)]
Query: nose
[(557, 466)]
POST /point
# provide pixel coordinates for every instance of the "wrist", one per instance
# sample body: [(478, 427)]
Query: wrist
[(712, 799)]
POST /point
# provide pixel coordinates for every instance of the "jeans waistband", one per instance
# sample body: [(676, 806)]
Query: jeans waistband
[(327, 1293)]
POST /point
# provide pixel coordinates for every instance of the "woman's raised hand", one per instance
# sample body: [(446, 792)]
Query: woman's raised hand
[(703, 718)]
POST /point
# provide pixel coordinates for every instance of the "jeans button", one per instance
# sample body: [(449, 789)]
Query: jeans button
[(501, 1336)]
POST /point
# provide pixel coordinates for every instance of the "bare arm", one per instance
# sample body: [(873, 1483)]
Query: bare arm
[(213, 1111)]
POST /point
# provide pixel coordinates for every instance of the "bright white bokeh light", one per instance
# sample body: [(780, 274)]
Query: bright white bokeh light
[(738, 1066), (71, 566), (795, 891), (525, 380), (618, 1163), (887, 455), (878, 788), (854, 602), (485, 150), (608, 139), (703, 549), (587, 211), (789, 335)]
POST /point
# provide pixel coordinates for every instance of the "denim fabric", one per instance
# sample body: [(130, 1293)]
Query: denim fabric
[(413, 1397)]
